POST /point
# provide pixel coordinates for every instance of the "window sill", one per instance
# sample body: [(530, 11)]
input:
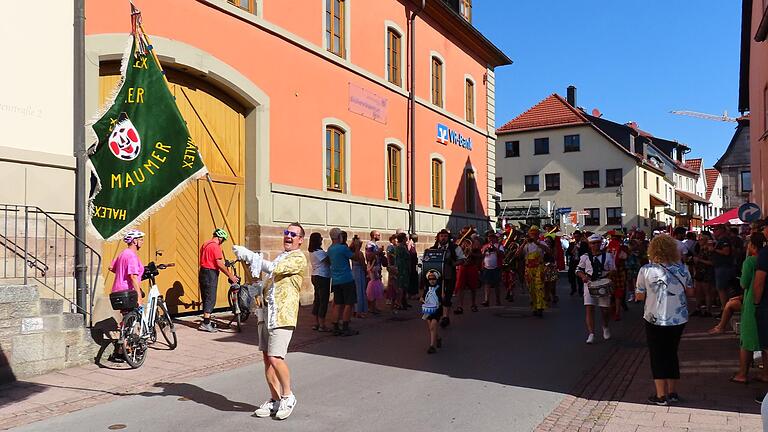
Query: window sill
[(536, 154), (571, 151), (591, 187)]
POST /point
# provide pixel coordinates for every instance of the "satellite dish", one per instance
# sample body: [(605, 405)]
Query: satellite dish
[(596, 113)]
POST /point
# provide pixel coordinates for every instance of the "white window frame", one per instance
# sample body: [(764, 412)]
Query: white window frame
[(444, 77), (347, 25), (332, 121), (387, 26), (397, 143)]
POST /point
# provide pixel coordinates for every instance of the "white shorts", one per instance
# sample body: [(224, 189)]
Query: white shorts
[(590, 300), (274, 342)]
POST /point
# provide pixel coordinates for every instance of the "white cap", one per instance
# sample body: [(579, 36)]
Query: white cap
[(595, 238)]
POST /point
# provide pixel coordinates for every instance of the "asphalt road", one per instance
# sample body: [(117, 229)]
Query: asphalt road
[(500, 369)]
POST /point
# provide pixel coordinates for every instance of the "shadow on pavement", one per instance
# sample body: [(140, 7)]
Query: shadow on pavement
[(199, 395)]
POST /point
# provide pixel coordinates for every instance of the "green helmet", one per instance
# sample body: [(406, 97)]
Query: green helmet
[(220, 233)]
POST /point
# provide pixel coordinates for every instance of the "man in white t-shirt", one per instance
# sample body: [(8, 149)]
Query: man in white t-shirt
[(596, 265)]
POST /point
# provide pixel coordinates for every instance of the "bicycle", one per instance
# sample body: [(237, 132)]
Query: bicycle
[(239, 314), (139, 325)]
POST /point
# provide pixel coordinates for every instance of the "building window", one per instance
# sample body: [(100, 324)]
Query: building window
[(334, 159), (658, 188), (541, 146), (593, 218), (499, 185), (437, 82), (469, 100), (645, 179), (465, 9), (645, 218), (746, 181), (613, 177), (334, 27), (393, 172), (247, 5), (437, 183), (613, 215), (394, 50), (572, 143), (470, 187), (552, 181), (512, 149), (591, 179), (532, 183)]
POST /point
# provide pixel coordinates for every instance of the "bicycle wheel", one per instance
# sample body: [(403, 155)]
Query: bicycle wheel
[(165, 324), (134, 348), (234, 306)]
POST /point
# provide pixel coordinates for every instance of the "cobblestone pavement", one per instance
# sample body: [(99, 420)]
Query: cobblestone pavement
[(612, 397)]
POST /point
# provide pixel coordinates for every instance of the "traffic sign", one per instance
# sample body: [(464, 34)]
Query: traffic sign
[(749, 212), (582, 213), (563, 210)]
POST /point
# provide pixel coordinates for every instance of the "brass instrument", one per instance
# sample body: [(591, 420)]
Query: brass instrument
[(511, 245), (465, 239)]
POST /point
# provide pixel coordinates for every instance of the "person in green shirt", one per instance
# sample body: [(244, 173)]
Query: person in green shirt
[(749, 341)]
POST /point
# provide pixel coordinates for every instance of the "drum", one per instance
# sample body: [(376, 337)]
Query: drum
[(600, 288)]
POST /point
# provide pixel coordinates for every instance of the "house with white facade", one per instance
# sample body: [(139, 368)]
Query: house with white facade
[(567, 161), (714, 193)]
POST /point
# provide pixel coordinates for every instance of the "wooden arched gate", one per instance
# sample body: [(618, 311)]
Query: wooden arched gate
[(217, 124)]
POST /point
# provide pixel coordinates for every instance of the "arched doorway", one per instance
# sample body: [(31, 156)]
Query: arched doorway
[(216, 122)]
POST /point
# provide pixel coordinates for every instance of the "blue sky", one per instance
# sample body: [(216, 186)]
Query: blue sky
[(633, 60)]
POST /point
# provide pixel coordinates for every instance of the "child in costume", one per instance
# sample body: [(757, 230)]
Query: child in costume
[(431, 308)]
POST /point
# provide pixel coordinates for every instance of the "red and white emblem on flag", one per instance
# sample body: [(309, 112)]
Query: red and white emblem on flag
[(124, 141)]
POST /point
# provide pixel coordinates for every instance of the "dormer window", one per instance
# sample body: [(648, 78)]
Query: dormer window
[(465, 9)]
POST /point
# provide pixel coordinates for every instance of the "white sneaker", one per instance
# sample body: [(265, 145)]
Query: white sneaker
[(268, 408), (287, 403), (606, 333), (591, 338)]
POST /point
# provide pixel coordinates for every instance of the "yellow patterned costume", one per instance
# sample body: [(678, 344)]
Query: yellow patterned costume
[(534, 277), (282, 289)]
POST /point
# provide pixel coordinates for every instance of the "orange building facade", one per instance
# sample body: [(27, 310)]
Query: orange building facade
[(302, 112)]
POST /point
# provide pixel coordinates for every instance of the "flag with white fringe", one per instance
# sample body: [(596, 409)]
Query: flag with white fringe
[(144, 155)]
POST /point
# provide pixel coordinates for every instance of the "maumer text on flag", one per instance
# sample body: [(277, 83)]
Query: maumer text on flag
[(144, 154)]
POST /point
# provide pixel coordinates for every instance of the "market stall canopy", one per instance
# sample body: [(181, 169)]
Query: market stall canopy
[(729, 217)]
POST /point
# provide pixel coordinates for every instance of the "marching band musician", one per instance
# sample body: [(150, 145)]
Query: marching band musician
[(508, 267), (595, 265), (533, 253)]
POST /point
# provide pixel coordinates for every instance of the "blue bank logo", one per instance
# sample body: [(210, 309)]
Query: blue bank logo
[(445, 135)]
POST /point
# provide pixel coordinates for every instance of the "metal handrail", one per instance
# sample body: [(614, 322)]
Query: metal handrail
[(38, 260)]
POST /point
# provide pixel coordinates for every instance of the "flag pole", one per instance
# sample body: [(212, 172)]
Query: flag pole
[(207, 175)]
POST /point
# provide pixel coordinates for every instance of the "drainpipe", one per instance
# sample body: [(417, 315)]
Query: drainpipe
[(412, 106), (78, 129)]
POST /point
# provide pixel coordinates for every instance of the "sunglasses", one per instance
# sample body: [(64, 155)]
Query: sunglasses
[(291, 233)]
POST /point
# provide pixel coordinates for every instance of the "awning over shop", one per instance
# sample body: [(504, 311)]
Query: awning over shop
[(687, 196), (671, 211), (729, 217), (657, 202)]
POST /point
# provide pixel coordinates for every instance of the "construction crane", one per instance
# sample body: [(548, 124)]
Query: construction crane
[(722, 118)]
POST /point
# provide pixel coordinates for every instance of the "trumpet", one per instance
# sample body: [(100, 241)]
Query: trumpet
[(465, 239)]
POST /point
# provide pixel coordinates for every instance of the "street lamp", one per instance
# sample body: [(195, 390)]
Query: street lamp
[(620, 194)]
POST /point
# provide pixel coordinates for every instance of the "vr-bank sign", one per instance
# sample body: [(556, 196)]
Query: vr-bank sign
[(445, 134)]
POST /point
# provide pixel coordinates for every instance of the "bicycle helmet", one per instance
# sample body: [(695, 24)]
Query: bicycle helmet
[(132, 235), (220, 233)]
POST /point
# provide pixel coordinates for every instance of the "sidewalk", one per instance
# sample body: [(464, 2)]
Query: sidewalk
[(198, 354), (613, 397)]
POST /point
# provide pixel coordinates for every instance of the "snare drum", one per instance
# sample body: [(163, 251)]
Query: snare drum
[(600, 288)]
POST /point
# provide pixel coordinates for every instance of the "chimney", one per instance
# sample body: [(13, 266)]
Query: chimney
[(571, 96)]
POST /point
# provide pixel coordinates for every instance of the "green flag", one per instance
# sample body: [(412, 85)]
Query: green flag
[(144, 155)]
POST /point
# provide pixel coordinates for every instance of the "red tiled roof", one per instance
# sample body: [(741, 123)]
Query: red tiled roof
[(694, 164), (683, 167), (552, 111), (711, 178)]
